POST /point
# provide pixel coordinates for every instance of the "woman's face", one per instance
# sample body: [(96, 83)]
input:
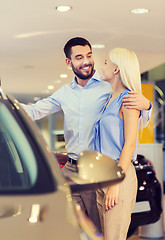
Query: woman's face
[(108, 70)]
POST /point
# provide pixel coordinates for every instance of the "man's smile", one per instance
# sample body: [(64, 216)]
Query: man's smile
[(86, 67)]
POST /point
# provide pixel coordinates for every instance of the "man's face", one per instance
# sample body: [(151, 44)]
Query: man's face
[(81, 61)]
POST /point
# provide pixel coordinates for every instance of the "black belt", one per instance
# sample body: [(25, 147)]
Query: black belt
[(72, 161)]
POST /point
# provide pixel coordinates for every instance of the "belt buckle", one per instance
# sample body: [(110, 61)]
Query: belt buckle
[(72, 161)]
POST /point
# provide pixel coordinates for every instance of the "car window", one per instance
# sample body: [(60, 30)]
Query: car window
[(18, 168)]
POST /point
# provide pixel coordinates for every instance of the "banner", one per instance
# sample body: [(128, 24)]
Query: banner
[(147, 135)]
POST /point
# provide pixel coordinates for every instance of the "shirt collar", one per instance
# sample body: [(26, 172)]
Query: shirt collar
[(95, 77)]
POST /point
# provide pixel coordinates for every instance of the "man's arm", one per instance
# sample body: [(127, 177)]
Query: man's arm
[(43, 107), (135, 100)]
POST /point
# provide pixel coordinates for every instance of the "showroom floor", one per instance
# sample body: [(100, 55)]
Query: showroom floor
[(136, 237)]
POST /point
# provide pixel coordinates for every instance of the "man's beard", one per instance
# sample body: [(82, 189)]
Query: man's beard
[(81, 75)]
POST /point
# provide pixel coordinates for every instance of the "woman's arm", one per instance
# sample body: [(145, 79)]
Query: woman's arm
[(135, 100), (131, 118)]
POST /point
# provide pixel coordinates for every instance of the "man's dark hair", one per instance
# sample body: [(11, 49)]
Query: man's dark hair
[(75, 42)]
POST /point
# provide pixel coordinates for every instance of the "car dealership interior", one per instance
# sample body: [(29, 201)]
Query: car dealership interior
[(33, 67)]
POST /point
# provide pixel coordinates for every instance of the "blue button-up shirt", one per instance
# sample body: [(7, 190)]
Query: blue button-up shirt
[(82, 107)]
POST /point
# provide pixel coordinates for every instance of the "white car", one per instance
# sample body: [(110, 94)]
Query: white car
[(35, 198)]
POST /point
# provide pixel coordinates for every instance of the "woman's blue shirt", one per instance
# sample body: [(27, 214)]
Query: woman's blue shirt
[(109, 130)]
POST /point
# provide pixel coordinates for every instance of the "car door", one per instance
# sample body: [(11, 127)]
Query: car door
[(32, 205)]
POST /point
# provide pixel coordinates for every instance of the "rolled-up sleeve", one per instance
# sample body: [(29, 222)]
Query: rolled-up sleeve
[(146, 115)]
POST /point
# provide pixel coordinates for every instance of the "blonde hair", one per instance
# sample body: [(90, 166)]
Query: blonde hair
[(128, 64)]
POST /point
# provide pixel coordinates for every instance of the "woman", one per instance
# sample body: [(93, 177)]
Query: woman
[(116, 136)]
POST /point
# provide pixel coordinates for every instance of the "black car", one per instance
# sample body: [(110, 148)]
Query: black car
[(148, 206)]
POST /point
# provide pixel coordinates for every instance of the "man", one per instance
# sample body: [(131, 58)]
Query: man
[(82, 102)]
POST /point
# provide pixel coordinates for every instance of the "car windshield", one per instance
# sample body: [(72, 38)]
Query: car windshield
[(18, 168)]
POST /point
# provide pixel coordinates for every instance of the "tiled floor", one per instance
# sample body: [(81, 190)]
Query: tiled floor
[(136, 236)]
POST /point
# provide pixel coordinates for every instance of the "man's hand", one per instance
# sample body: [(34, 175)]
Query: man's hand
[(135, 100)]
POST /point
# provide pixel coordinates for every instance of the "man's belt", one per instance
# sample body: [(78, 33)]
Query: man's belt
[(72, 161)]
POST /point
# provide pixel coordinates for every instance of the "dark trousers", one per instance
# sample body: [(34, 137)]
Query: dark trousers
[(86, 199)]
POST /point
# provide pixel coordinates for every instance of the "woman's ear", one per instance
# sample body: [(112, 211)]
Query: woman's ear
[(116, 70)]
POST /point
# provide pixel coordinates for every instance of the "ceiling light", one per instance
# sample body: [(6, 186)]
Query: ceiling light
[(32, 34), (63, 8), (50, 87), (98, 46), (57, 81), (139, 10), (63, 75)]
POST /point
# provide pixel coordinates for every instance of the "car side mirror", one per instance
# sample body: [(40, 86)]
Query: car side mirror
[(95, 170)]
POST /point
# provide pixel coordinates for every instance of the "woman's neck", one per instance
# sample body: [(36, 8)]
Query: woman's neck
[(117, 88)]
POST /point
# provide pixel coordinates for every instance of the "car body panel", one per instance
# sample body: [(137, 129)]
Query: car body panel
[(52, 209)]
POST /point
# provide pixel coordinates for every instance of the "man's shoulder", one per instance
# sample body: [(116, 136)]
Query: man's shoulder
[(62, 90), (65, 87)]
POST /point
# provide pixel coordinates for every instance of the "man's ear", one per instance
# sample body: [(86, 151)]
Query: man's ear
[(68, 62), (116, 70)]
